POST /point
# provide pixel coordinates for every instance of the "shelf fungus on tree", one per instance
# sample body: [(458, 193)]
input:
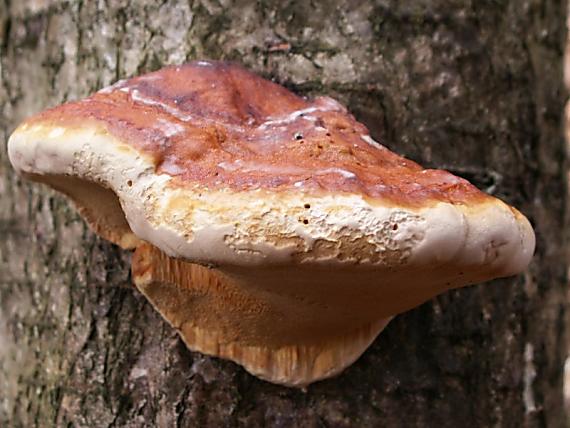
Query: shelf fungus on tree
[(269, 229)]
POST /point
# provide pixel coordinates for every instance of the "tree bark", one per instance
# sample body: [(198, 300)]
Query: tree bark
[(470, 86)]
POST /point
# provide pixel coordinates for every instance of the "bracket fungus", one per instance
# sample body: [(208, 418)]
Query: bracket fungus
[(268, 229)]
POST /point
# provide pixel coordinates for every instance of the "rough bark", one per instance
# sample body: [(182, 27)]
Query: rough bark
[(474, 86)]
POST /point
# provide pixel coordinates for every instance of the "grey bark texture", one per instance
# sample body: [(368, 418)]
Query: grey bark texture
[(473, 86)]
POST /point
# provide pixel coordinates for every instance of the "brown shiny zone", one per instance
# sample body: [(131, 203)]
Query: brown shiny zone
[(218, 125)]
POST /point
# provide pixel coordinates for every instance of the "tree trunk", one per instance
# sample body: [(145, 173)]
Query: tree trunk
[(472, 86)]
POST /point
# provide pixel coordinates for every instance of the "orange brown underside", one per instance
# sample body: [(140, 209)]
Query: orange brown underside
[(215, 124), (250, 313)]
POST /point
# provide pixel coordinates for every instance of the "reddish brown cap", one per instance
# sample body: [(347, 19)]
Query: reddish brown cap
[(319, 234)]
